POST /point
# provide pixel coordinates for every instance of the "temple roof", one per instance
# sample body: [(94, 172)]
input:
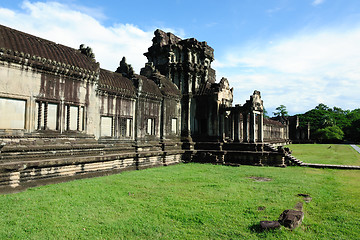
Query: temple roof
[(38, 49), (149, 86), (115, 83), (166, 86)]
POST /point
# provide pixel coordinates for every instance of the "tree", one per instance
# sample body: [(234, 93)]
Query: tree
[(332, 133), (322, 107), (281, 111), (353, 131)]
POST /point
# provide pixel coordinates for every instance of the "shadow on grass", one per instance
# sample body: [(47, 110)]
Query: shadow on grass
[(256, 228)]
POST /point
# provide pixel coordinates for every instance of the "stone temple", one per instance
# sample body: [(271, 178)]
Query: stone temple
[(63, 117)]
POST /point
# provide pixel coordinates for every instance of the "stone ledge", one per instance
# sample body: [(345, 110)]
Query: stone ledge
[(315, 165)]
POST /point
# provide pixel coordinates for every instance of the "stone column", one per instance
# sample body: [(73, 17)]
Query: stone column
[(232, 125), (236, 126), (185, 118), (252, 126), (261, 127), (222, 126), (245, 127), (39, 116)]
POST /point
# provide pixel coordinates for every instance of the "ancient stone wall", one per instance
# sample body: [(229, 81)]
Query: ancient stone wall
[(63, 117)]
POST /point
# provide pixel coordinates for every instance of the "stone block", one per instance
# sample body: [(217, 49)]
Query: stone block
[(269, 225), (291, 218)]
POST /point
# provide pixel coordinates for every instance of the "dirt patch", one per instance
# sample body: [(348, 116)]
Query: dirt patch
[(261, 179)]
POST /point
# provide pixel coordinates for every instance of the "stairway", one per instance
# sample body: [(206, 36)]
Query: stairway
[(289, 159)]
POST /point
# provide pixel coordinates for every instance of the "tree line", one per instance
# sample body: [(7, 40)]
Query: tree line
[(329, 124)]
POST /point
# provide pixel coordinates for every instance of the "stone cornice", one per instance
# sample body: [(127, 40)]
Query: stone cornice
[(49, 65)]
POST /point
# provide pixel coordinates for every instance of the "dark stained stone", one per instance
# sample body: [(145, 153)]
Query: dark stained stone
[(306, 198), (291, 218), (303, 195), (268, 225)]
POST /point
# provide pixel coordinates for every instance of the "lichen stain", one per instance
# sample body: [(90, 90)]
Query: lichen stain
[(102, 104), (118, 106), (110, 105), (72, 90), (50, 87)]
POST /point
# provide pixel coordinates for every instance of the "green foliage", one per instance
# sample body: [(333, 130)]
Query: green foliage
[(329, 133), (322, 118), (186, 201), (281, 111), (353, 130)]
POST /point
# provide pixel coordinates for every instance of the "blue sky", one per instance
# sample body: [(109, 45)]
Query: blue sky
[(298, 53)]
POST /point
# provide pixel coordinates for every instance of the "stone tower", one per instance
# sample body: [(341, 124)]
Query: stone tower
[(187, 63)]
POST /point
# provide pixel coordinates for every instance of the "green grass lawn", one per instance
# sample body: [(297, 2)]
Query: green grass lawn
[(326, 154), (186, 201)]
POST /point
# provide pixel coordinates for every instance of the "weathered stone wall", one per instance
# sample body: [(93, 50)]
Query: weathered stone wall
[(49, 96), (275, 131), (148, 119), (171, 111), (121, 112), (16, 176), (63, 117)]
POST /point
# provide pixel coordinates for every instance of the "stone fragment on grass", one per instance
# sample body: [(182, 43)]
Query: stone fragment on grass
[(303, 195), (269, 225), (306, 198), (291, 218)]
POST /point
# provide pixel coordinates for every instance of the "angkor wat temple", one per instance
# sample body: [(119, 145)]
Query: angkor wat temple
[(64, 117)]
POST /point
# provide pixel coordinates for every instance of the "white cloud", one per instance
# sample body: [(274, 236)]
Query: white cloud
[(317, 2), (73, 26), (299, 71)]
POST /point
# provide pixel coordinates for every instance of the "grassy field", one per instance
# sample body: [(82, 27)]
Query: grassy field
[(326, 154), (186, 201)]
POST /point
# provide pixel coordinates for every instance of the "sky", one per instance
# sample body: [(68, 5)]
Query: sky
[(297, 53)]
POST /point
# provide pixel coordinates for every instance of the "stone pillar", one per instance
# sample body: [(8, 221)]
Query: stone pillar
[(245, 127), (222, 126), (261, 127), (185, 118), (39, 116), (232, 123), (252, 126), (236, 126), (162, 119)]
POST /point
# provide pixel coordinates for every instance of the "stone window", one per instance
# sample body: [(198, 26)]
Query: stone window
[(106, 126), (12, 113), (74, 118), (47, 115), (174, 125), (150, 129), (125, 127)]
